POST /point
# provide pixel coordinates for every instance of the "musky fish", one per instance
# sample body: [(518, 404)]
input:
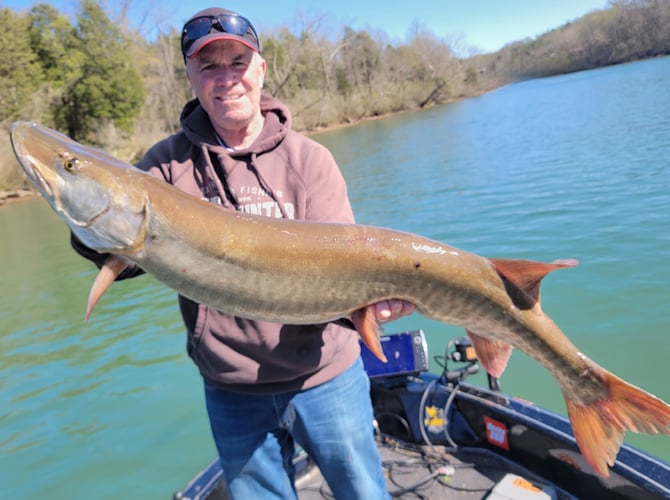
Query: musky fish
[(299, 272)]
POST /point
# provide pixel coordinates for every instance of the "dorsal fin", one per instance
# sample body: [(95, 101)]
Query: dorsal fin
[(528, 274)]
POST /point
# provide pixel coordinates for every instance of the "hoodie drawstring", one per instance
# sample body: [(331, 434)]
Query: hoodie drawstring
[(227, 195), (266, 186)]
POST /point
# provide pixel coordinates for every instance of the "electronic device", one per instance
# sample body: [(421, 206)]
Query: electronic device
[(406, 352)]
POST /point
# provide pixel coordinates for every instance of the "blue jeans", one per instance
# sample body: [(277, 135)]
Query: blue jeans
[(255, 435)]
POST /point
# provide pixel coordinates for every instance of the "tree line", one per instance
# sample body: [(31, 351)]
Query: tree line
[(106, 85), (627, 30)]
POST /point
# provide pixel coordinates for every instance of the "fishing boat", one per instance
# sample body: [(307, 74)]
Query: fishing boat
[(442, 437)]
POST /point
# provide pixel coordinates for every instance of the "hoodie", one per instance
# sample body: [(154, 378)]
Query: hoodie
[(282, 174)]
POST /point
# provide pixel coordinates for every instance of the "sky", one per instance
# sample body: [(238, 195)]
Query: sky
[(487, 25)]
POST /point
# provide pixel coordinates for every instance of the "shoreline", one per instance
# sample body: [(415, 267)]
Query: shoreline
[(360, 121), (11, 196), (17, 195)]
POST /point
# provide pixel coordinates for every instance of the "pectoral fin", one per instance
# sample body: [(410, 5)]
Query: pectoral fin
[(109, 271)]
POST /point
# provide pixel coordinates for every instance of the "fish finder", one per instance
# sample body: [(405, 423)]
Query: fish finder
[(406, 352)]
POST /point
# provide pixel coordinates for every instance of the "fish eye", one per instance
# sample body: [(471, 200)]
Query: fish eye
[(71, 164)]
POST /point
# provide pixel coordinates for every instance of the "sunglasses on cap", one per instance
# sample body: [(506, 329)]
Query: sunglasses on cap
[(232, 24)]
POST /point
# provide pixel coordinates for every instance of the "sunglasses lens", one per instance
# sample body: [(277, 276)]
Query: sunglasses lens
[(233, 24), (197, 28)]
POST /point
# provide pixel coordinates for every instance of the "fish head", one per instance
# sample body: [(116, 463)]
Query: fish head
[(89, 189)]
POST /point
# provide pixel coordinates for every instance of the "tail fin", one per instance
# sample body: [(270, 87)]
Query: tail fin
[(599, 427)]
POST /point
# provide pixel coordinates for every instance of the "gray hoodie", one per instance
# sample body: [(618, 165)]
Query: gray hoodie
[(282, 174)]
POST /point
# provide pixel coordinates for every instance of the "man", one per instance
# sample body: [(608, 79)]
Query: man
[(266, 384)]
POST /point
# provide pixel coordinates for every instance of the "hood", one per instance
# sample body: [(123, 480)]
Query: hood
[(198, 128)]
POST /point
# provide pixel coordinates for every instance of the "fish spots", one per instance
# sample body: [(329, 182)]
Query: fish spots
[(432, 249), (417, 265), (587, 371), (428, 249)]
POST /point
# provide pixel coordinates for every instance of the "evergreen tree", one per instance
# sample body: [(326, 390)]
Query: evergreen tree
[(20, 73), (107, 88), (52, 40)]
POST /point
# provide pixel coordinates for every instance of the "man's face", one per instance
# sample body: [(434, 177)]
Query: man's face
[(227, 77)]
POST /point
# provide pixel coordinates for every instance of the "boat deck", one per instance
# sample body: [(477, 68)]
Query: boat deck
[(433, 472)]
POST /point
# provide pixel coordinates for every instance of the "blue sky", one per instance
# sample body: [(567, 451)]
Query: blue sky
[(486, 24)]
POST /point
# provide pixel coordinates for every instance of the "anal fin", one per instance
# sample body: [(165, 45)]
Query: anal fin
[(492, 354)]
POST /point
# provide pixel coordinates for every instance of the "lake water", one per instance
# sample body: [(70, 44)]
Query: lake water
[(576, 166)]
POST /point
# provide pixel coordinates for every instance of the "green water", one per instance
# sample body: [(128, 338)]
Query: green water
[(573, 166)]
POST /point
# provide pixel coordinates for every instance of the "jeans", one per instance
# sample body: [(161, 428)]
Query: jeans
[(255, 435)]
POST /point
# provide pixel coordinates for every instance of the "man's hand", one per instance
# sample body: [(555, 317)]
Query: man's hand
[(389, 310)]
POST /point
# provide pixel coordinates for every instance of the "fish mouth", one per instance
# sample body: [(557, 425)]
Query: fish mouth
[(30, 167), (28, 163), (41, 183)]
